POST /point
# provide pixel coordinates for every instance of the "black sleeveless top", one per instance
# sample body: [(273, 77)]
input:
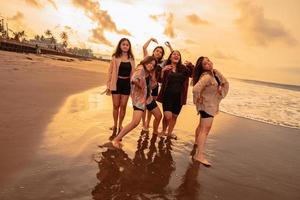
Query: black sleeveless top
[(124, 69)]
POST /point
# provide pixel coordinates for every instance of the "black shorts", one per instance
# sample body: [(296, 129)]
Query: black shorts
[(149, 107), (154, 92), (123, 86), (172, 103), (204, 114)]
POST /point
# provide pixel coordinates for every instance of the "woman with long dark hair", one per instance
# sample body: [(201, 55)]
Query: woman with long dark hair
[(120, 71), (142, 82), (210, 87), (158, 53), (173, 94)]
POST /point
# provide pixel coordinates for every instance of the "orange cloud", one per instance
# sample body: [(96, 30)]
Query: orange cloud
[(17, 17), (101, 17), (259, 30), (189, 41), (53, 4), (169, 29), (156, 17), (98, 36), (38, 4), (34, 3), (196, 20), (220, 55)]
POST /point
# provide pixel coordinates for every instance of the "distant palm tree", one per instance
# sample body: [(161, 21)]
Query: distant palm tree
[(53, 40), (42, 38), (37, 37), (48, 33), (19, 35), (64, 37)]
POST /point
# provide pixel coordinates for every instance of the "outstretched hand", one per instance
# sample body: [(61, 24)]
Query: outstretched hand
[(154, 40)]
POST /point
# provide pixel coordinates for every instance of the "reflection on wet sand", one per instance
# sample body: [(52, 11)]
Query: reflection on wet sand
[(143, 177)]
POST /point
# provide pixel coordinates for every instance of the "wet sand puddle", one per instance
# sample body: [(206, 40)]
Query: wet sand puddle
[(70, 164)]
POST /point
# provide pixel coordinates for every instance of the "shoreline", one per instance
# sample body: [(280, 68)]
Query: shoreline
[(55, 118)]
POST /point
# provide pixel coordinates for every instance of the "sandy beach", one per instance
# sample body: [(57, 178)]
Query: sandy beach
[(53, 119)]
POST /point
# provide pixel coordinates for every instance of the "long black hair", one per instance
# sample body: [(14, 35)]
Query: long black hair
[(118, 51), (163, 53), (198, 70), (179, 66)]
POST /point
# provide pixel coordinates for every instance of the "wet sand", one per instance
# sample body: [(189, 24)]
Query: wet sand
[(32, 89), (251, 160)]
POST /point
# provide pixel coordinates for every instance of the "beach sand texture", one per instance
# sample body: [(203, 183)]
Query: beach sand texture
[(53, 118)]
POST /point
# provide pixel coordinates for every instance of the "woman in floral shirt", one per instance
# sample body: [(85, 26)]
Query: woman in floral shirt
[(142, 81)]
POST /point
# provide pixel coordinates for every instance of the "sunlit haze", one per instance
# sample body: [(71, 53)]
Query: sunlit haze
[(245, 39)]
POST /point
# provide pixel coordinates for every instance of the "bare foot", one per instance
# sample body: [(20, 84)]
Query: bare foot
[(145, 128), (117, 144), (162, 133), (112, 128), (172, 136), (202, 161)]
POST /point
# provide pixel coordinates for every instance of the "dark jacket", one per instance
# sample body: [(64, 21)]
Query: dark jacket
[(187, 71)]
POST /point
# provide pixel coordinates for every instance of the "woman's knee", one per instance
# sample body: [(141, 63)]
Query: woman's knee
[(123, 107), (116, 106), (168, 117)]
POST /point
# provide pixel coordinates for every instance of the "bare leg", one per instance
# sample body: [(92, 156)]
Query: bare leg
[(136, 118), (172, 124), (116, 106), (149, 114), (157, 117), (123, 106), (205, 126), (197, 131), (166, 121), (145, 128)]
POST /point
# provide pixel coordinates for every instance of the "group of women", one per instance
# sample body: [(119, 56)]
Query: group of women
[(142, 83)]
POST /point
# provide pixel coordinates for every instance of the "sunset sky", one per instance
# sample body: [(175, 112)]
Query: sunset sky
[(245, 39)]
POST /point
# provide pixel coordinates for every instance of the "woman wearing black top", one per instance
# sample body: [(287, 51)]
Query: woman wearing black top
[(118, 84), (173, 94)]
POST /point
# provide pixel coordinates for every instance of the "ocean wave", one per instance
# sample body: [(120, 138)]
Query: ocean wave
[(271, 103)]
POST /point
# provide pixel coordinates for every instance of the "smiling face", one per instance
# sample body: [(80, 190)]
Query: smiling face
[(207, 64), (158, 53), (125, 46), (150, 66), (175, 57)]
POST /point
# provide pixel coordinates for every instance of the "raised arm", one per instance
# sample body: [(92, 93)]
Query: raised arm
[(169, 46), (146, 46), (189, 68)]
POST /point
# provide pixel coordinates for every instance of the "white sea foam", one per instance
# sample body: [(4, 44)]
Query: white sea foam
[(267, 102)]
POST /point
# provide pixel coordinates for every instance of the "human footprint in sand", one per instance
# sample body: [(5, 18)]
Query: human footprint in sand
[(142, 82), (210, 87)]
